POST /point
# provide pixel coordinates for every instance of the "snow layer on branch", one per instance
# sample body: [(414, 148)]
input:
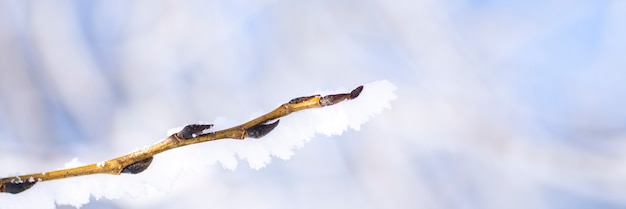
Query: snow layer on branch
[(300, 127), (293, 132)]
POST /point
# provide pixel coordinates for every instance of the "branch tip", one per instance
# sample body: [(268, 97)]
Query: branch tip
[(356, 92)]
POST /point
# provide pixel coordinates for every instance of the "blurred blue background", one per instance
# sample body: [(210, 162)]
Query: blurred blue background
[(501, 104)]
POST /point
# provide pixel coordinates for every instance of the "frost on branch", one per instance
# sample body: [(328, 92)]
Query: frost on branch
[(294, 131)]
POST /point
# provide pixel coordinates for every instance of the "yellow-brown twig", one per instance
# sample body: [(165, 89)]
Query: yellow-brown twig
[(139, 161)]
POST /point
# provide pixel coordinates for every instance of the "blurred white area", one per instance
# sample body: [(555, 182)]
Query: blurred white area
[(515, 104)]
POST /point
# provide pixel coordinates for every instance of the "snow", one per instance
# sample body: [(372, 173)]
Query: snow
[(300, 127), (19, 180), (174, 130), (73, 163), (293, 132)]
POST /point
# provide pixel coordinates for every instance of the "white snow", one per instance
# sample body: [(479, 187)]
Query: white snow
[(174, 130), (206, 130), (293, 132), (73, 163), (298, 128)]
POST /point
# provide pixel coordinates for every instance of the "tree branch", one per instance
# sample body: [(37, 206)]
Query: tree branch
[(139, 161)]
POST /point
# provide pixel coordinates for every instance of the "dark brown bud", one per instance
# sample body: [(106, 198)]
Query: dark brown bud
[(355, 93), (15, 187), (261, 130), (193, 130), (301, 99), (336, 98), (138, 166)]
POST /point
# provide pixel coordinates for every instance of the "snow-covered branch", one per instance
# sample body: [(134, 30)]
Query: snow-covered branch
[(139, 161), (294, 131)]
